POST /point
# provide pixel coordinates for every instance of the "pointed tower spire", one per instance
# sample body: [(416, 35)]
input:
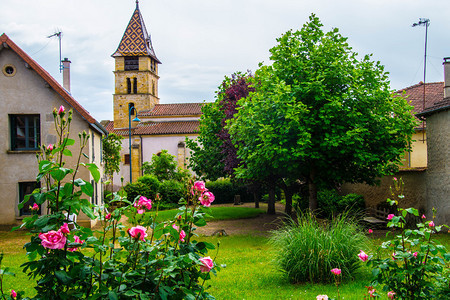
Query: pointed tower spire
[(136, 40)]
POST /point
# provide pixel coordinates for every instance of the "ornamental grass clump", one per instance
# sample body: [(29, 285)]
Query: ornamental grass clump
[(307, 249)]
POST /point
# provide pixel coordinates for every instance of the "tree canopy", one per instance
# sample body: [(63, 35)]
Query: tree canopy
[(319, 114)]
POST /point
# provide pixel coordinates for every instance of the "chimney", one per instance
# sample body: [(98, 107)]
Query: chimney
[(446, 77), (66, 74)]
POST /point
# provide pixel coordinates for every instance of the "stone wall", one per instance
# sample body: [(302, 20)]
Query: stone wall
[(414, 190), (438, 173)]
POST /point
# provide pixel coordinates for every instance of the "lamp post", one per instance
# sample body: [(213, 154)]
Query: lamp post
[(129, 136)]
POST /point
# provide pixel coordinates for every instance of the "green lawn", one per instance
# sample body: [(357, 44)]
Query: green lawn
[(217, 212), (250, 273)]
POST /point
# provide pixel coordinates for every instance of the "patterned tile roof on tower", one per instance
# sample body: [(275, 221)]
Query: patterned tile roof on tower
[(136, 41)]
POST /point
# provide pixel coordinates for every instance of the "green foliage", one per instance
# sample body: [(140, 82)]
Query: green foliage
[(224, 190), (147, 186), (112, 145), (320, 114), (307, 250), (163, 166), (172, 191), (330, 203), (418, 266), (206, 159), (116, 263)]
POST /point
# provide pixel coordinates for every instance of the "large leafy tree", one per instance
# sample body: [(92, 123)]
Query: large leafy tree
[(320, 115), (213, 155)]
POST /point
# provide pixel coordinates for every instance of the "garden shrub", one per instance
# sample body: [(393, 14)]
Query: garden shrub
[(117, 262), (171, 191), (330, 203), (417, 267), (307, 250), (225, 189)]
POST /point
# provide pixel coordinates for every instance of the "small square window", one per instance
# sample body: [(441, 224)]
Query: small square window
[(126, 159), (26, 188), (25, 132)]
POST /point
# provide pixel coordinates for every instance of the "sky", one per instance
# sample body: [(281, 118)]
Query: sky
[(201, 41)]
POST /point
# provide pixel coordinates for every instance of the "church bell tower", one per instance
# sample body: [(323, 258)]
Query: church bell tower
[(136, 71)]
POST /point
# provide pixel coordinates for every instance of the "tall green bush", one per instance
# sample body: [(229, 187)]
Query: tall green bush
[(224, 190), (307, 250)]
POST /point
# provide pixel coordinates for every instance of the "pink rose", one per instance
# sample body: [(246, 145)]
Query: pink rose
[(13, 294), (415, 254), (138, 232), (50, 147), (142, 204), (431, 224), (35, 207), (182, 233), (108, 216), (393, 255), (207, 264), (322, 297), (199, 186), (77, 240), (370, 231), (53, 239), (372, 292), (206, 198), (395, 178), (61, 110), (423, 217), (363, 256), (391, 295), (65, 228), (390, 216), (336, 271)]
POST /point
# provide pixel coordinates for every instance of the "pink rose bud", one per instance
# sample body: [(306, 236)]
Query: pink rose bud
[(415, 254), (391, 294), (372, 292), (207, 264), (179, 218), (395, 178), (138, 232), (77, 240), (370, 231), (61, 110), (423, 217), (65, 228), (363, 256), (336, 271), (390, 216), (108, 216), (393, 255), (13, 294), (431, 224), (50, 147), (35, 207)]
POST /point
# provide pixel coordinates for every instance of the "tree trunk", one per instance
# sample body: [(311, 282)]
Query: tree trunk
[(271, 204), (312, 190), (288, 195), (256, 198)]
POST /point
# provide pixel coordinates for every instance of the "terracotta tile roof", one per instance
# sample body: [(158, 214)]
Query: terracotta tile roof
[(157, 128), (136, 40), (174, 127), (173, 109), (434, 92), (438, 106), (51, 81)]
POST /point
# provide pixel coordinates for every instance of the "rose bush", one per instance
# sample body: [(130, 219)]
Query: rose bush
[(147, 260)]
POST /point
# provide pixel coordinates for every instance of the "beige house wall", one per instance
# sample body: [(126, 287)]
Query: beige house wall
[(27, 93)]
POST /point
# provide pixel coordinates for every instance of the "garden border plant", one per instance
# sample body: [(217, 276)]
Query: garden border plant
[(114, 262)]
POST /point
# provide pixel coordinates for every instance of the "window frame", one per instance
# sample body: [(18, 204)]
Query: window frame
[(22, 193), (36, 127)]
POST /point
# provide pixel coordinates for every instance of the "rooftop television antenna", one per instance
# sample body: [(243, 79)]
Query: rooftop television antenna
[(59, 35), (424, 22)]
